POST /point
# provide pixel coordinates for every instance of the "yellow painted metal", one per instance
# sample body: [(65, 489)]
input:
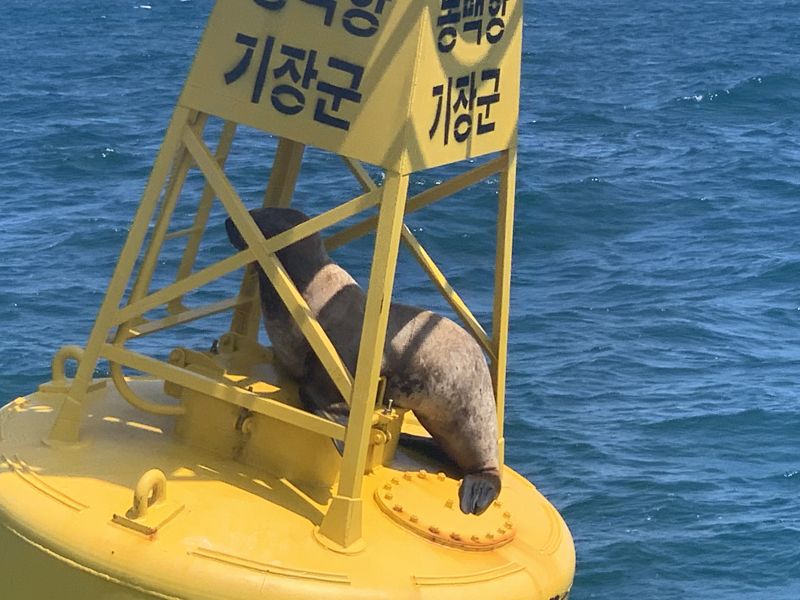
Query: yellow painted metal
[(195, 232), (310, 327), (59, 381), (284, 174), (502, 287), (360, 173), (118, 377), (180, 288), (167, 208), (259, 501), (150, 510), (421, 200), (246, 319), (215, 387), (400, 88), (424, 503), (186, 316), (343, 521), (440, 281), (268, 429), (230, 528), (66, 429)]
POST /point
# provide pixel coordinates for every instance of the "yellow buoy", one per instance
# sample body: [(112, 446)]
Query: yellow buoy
[(202, 477)]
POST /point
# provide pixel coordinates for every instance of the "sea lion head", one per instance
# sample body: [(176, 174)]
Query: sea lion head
[(302, 258)]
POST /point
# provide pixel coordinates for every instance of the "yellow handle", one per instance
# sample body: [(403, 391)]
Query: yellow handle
[(65, 353), (151, 489)]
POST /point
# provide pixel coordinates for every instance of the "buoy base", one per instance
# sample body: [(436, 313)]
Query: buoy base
[(224, 530)]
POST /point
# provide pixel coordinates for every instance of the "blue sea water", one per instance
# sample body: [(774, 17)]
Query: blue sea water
[(655, 328)]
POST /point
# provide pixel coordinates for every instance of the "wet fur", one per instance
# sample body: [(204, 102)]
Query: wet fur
[(432, 366)]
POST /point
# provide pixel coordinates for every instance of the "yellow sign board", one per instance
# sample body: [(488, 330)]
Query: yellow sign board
[(403, 84)]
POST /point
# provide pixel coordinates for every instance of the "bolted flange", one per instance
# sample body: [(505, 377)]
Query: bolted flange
[(427, 505)]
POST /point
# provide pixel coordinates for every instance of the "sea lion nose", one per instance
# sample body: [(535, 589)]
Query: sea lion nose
[(234, 236)]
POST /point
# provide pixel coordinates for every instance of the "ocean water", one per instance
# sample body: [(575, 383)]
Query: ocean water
[(655, 329)]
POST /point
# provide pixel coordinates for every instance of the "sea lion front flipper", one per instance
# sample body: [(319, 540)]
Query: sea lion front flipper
[(338, 412), (429, 448), (477, 491)]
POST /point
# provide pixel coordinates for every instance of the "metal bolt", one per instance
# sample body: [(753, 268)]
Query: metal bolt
[(490, 536), (177, 357), (407, 476), (388, 496), (449, 504), (506, 515), (423, 474), (508, 525), (501, 531), (398, 508), (475, 538), (387, 486), (413, 518), (455, 536), (498, 504), (441, 476), (242, 420), (395, 481), (433, 529)]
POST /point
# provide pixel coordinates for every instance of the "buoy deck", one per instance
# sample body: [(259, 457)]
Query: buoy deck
[(227, 530)]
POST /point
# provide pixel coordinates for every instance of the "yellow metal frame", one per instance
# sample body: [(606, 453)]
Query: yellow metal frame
[(184, 149)]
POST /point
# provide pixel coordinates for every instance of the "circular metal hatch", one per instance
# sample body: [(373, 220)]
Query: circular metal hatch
[(427, 504)]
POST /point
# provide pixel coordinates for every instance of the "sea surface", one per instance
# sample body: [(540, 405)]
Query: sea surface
[(655, 327)]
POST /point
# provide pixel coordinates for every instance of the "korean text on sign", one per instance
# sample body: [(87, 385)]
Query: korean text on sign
[(360, 18), (483, 19), (456, 106), (292, 74)]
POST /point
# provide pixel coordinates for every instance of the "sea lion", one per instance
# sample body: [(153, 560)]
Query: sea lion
[(432, 366)]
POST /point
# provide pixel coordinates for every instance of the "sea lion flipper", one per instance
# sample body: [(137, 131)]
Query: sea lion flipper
[(478, 491), (338, 412)]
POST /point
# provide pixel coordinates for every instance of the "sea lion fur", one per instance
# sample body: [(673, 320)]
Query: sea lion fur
[(432, 365)]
